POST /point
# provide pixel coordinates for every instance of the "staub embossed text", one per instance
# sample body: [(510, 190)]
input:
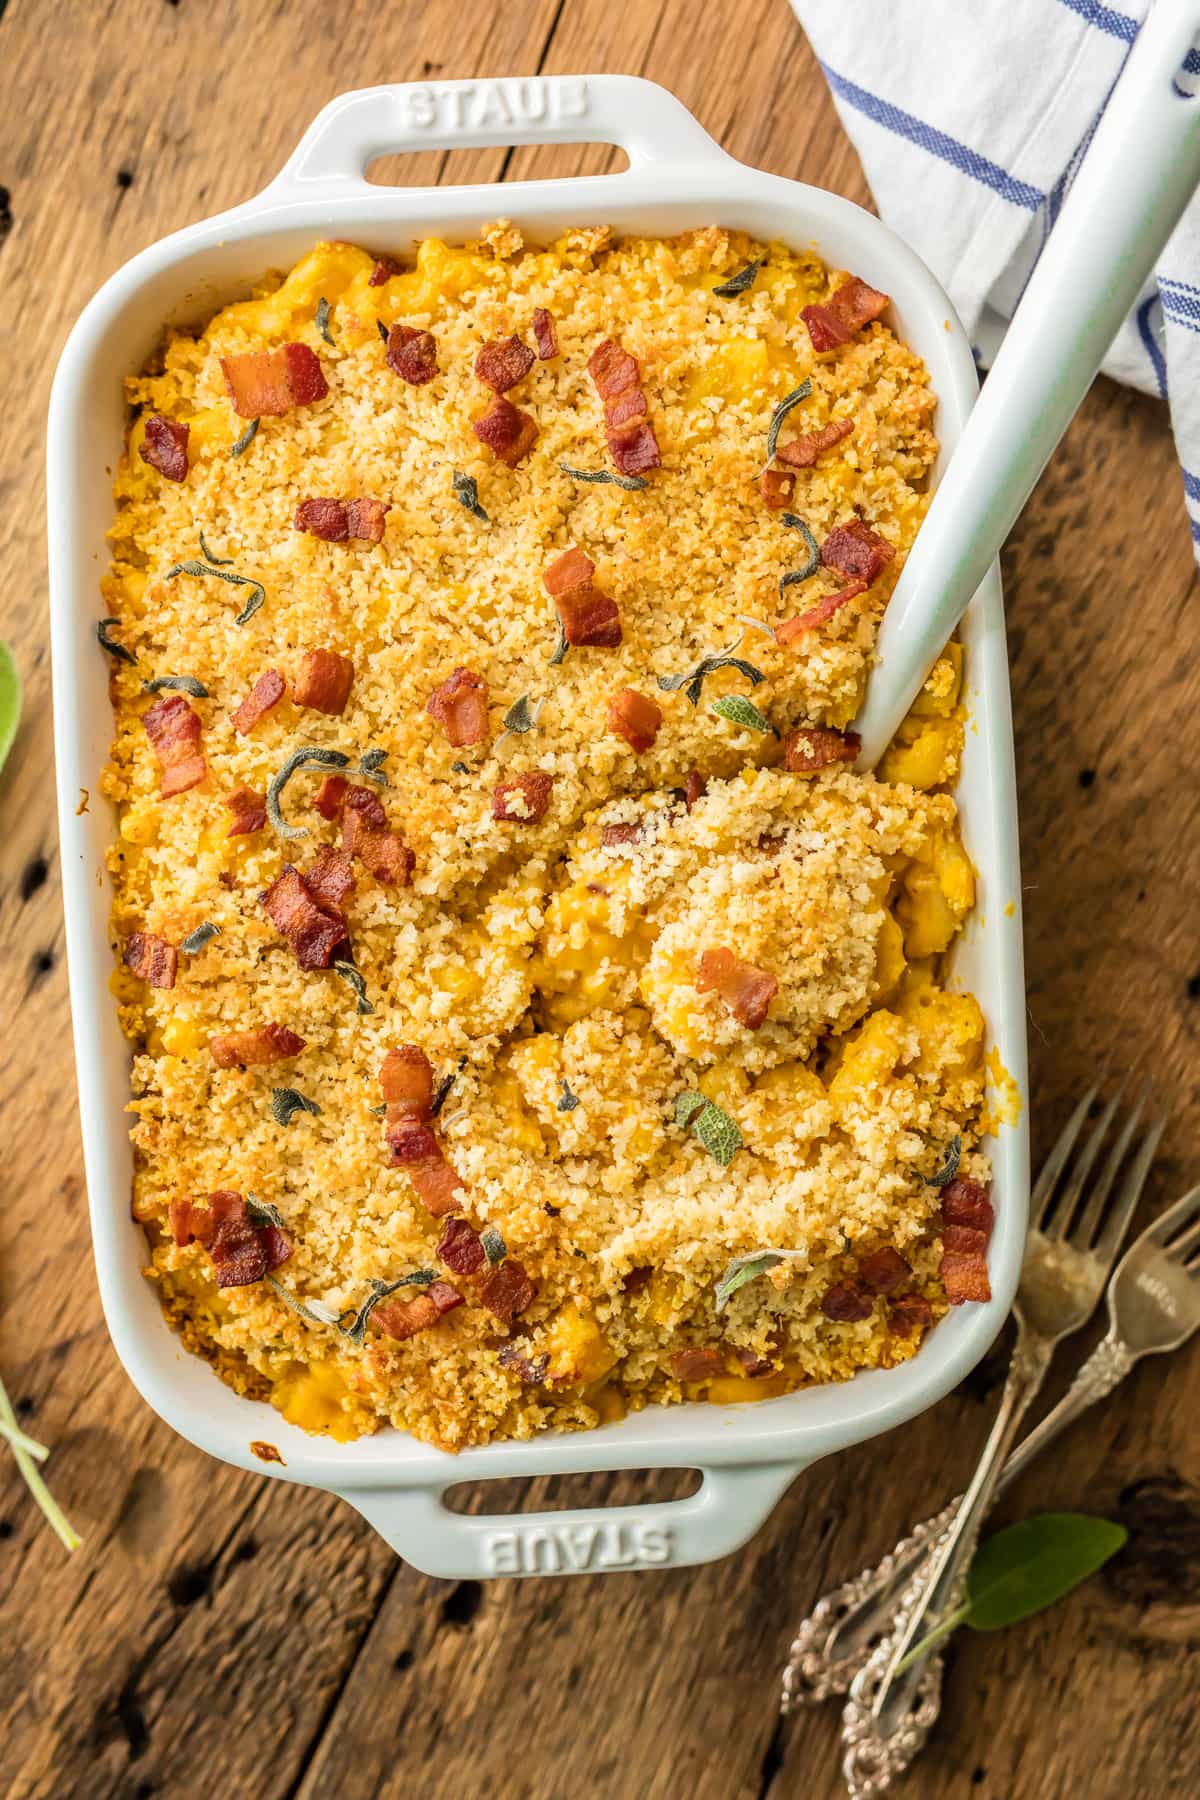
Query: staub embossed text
[(479, 105), (560, 1549)]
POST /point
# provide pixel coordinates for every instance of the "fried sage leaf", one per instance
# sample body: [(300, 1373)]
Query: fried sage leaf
[(945, 1175), (466, 492), (605, 478), (744, 1269), (323, 322), (353, 978), (183, 684), (308, 756), (810, 544), (741, 712), (780, 414), (195, 941), (247, 438), (286, 1102), (738, 284), (720, 1135), (109, 643), (258, 591), (692, 680), (493, 1244), (567, 1100)]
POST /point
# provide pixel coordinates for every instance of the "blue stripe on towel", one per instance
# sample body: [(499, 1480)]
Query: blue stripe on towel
[(1191, 484), (1181, 309), (1118, 25), (1195, 525), (937, 143), (1150, 343), (1184, 287)]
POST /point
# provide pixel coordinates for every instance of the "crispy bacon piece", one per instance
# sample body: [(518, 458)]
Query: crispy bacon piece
[(151, 958), (241, 1251), (545, 334), (697, 1365), (635, 717), (818, 614), (248, 812), (409, 1141), (268, 383), (365, 519), (267, 691), (855, 550), (753, 1365), (847, 1302), (324, 681), (173, 728), (909, 1313), (507, 1291), (193, 1223), (165, 447), (589, 616), (523, 801), (526, 1368), (508, 432), (460, 1248), (385, 268), (847, 311), (802, 452), (331, 877), (631, 440), (967, 1217), (811, 747), (335, 521), (314, 932), (965, 1202), (630, 832), (460, 707), (503, 362), (695, 789), (365, 834), (883, 1270), (412, 354), (406, 1080), (404, 1318), (746, 991), (437, 1185), (776, 487), (331, 796), (264, 1044)]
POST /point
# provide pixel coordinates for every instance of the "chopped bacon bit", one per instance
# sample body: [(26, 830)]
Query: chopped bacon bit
[(460, 1248), (165, 447), (265, 1044), (412, 354), (460, 707), (634, 717), (909, 1313), (753, 1365), (331, 877), (589, 616), (776, 487), (966, 1203), (173, 728), (438, 1187), (695, 789), (243, 1252), (325, 519), (965, 1276), (267, 691), (631, 440), (385, 268), (631, 833), (365, 519), (847, 311), (746, 991), (624, 412), (825, 329), (637, 453), (331, 796), (410, 1141), (613, 369), (383, 853), (523, 801), (697, 1365), (967, 1216), (404, 1318), (568, 573), (406, 1080), (151, 958), (854, 549), (503, 362), (818, 614), (812, 747), (507, 1291), (314, 932), (324, 681), (268, 383), (545, 334), (883, 1270), (248, 812), (802, 452), (526, 1368), (508, 432), (847, 1302)]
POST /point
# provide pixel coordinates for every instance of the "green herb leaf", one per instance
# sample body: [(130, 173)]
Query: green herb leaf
[(195, 941), (10, 702), (748, 1268), (561, 646), (945, 1175), (688, 1106), (185, 684), (459, 768), (605, 478), (382, 329), (308, 756), (286, 1102), (55, 1517), (521, 716), (218, 562), (780, 414), (353, 1325), (378, 1112), (568, 1101), (109, 643), (323, 322), (466, 492), (441, 1092), (737, 284), (692, 680), (315, 1311), (252, 605), (493, 1245), (741, 712), (247, 438), (261, 1212), (810, 544), (352, 976), (370, 766), (720, 1135)]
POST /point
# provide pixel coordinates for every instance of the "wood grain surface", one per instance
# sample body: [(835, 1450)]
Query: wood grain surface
[(222, 1634)]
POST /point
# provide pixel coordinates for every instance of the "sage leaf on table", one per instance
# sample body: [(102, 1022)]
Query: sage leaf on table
[(10, 702), (1025, 1568)]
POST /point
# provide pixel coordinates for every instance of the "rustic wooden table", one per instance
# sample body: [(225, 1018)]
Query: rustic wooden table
[(219, 1633)]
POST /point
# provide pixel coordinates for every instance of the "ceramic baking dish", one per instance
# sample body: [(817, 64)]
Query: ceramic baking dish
[(677, 178)]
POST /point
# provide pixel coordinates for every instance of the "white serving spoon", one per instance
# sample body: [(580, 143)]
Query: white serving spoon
[(1139, 174)]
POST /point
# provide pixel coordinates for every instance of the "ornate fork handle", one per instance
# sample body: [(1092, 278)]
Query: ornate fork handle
[(836, 1639)]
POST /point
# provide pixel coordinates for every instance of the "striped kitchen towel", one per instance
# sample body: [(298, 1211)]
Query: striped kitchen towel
[(971, 120)]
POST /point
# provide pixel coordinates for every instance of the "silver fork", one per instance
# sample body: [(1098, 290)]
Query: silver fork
[(1072, 1246)]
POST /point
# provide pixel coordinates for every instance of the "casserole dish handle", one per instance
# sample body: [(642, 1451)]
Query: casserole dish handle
[(647, 122), (727, 1509)]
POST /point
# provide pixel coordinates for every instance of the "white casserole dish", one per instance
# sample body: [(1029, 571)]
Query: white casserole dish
[(677, 178)]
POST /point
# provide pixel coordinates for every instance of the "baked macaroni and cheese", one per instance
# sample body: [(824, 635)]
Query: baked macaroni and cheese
[(534, 1013)]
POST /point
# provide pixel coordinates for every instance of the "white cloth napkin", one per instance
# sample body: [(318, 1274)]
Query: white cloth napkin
[(970, 117)]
